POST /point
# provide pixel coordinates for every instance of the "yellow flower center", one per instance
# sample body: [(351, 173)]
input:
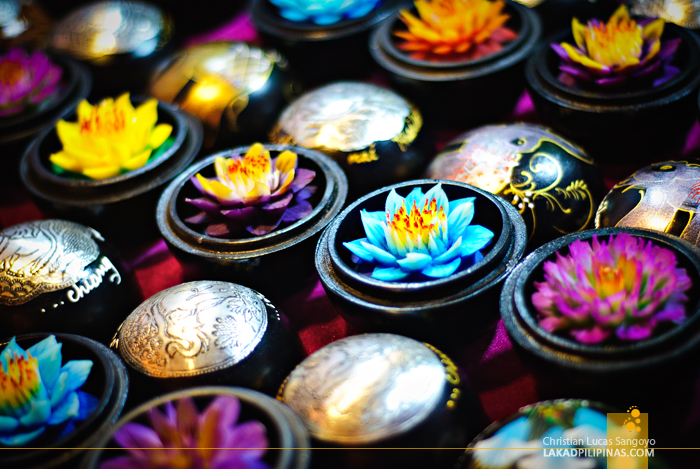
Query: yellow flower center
[(19, 382), (253, 165), (614, 43), (104, 120), (417, 224), (10, 72), (609, 280)]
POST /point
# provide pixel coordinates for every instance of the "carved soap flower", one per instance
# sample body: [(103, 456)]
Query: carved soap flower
[(110, 138), (324, 11), (423, 233), (455, 29), (618, 54), (36, 392), (183, 438), (253, 192), (625, 285), (26, 80)]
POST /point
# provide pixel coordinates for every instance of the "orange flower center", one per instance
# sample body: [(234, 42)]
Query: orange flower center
[(104, 120), (10, 72), (416, 222), (251, 165), (19, 382)]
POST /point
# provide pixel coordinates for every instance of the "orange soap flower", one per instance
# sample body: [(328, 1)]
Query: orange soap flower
[(455, 29)]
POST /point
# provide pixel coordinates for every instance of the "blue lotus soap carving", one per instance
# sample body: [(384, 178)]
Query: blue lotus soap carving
[(36, 392), (324, 12), (434, 240)]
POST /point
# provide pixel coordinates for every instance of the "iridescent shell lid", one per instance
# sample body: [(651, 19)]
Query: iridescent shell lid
[(348, 116), (193, 328), (366, 388), (554, 184), (43, 256), (108, 28)]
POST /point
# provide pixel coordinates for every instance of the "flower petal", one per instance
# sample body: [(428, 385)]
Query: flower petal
[(67, 409), (286, 161), (414, 261), (374, 229), (105, 172), (475, 238), (442, 270), (389, 274), (459, 220), (137, 161), (160, 134), (73, 375), (19, 439), (393, 202), (358, 249), (38, 415), (48, 355), (302, 178), (380, 254), (259, 194)]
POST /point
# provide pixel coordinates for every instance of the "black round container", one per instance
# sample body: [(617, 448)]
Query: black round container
[(317, 53), (253, 88), (459, 94), (82, 286), (17, 131), (287, 437), (274, 263), (107, 381), (657, 374), (444, 311), (122, 207), (199, 333), (604, 123)]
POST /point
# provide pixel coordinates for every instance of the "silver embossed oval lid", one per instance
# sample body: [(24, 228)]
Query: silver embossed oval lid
[(107, 28), (345, 116), (193, 328), (365, 388), (43, 256)]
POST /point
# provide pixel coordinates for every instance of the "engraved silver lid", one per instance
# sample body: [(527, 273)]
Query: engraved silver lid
[(193, 328), (108, 28), (365, 388), (43, 256), (345, 116)]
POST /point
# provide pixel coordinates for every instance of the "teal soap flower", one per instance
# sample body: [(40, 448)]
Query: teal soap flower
[(324, 12), (420, 234), (37, 392)]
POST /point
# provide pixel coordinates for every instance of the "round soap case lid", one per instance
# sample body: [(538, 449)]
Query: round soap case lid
[(366, 388), (193, 328)]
